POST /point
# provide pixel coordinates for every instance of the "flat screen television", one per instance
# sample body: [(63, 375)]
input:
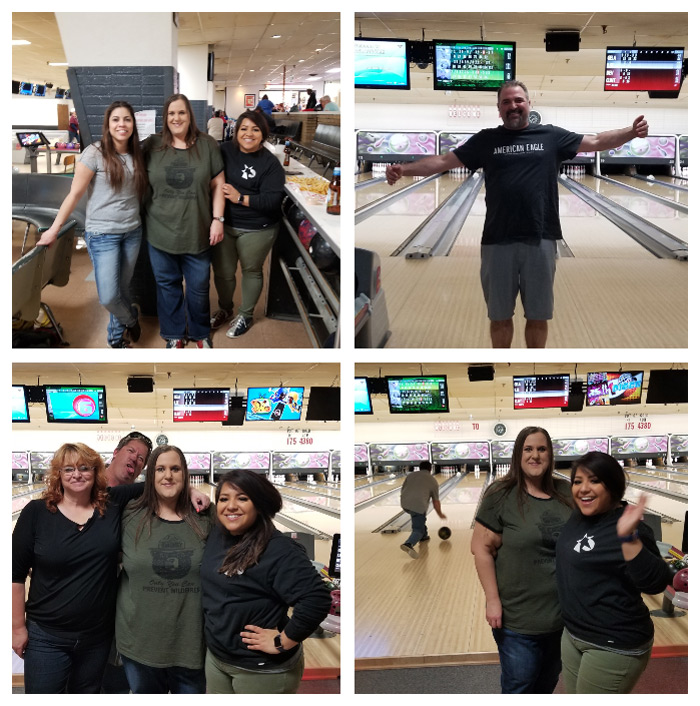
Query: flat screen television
[(201, 404), (382, 63), (323, 404), (25, 88), (20, 405), (616, 388), (417, 394), (15, 86), (60, 93), (667, 387), (32, 139), (363, 401), (643, 68), (540, 391), (472, 65), (78, 404), (334, 563), (272, 404), (40, 90)]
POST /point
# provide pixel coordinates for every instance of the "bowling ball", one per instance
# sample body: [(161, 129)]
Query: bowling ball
[(444, 533), (295, 216), (306, 233), (680, 581), (322, 254)]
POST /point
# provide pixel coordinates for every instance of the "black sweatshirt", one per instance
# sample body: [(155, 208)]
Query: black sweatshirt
[(260, 596), (260, 176), (600, 592)]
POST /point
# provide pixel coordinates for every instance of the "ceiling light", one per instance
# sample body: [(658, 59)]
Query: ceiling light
[(57, 63), (19, 42), (333, 71), (276, 36)]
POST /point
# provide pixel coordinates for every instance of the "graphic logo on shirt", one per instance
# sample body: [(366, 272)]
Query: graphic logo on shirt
[(550, 527), (248, 172), (171, 560), (179, 175), (585, 544)]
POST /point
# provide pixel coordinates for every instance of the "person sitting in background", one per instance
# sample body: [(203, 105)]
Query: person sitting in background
[(328, 105), (159, 632), (606, 558)]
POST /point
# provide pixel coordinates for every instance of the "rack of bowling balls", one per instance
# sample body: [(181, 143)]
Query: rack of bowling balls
[(678, 597)]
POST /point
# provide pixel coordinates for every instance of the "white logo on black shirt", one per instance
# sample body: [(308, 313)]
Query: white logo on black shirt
[(587, 547), (248, 172)]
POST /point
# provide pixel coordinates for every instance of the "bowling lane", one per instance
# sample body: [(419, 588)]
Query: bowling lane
[(654, 187), (461, 502), (384, 231), (665, 217), (324, 500)]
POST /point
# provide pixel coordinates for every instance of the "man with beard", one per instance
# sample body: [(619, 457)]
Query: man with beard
[(521, 166)]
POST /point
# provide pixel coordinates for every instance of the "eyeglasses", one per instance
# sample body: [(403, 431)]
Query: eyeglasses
[(138, 436), (68, 471)]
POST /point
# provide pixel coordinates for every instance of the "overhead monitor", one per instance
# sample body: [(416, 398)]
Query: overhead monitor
[(643, 68), (363, 401), (79, 404), (272, 404), (614, 388), (472, 65), (540, 391), (201, 404), (20, 404), (382, 63), (417, 394)]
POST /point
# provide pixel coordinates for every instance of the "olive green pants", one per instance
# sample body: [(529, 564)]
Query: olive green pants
[(587, 669), (250, 248), (224, 678)]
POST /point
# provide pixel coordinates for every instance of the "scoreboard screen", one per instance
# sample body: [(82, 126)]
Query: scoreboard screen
[(201, 404), (417, 394), (472, 65), (643, 69), (540, 391)]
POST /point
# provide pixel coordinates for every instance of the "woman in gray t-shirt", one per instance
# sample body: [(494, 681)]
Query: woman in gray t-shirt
[(113, 174)]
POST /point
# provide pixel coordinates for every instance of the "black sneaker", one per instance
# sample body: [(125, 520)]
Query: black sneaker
[(121, 343), (408, 548), (239, 326), (134, 331), (425, 539), (219, 318)]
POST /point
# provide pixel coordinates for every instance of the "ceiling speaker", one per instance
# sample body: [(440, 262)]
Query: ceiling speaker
[(139, 384), (480, 372)]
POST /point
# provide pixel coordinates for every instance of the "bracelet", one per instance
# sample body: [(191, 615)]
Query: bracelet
[(629, 537)]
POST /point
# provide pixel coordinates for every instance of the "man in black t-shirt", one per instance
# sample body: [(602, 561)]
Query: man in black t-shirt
[(521, 166)]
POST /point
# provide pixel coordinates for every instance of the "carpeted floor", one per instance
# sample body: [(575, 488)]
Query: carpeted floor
[(662, 676)]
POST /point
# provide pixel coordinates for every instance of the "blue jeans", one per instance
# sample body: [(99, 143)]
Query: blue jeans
[(530, 664), (114, 258), (419, 529), (55, 665), (162, 680), (182, 315)]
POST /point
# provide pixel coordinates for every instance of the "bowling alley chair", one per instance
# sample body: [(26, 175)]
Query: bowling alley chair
[(68, 160)]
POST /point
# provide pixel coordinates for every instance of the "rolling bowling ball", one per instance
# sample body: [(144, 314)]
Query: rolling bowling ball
[(322, 254), (444, 533), (680, 581), (306, 233)]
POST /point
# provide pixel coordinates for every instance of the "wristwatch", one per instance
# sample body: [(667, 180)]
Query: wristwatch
[(278, 642), (221, 219), (240, 198), (629, 537)]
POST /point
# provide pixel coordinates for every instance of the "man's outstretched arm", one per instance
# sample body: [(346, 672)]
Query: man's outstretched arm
[(614, 138), (423, 167)]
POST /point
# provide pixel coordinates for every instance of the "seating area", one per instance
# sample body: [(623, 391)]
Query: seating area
[(324, 148), (286, 130), (36, 199)]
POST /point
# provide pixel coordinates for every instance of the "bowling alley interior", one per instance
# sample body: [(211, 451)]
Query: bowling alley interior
[(280, 420), (420, 622), (622, 267), (223, 62)]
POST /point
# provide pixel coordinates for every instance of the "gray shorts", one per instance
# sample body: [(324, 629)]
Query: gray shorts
[(526, 267)]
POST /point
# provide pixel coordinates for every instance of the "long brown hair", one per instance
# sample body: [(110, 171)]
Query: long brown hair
[(192, 131), (268, 502), (81, 455), (114, 167), (148, 503), (515, 478)]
